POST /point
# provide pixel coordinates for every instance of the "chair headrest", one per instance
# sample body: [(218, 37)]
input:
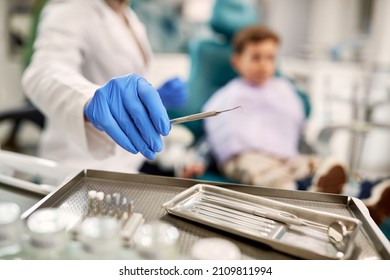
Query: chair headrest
[(230, 16)]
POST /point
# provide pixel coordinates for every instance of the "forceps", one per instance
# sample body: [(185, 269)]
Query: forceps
[(200, 116)]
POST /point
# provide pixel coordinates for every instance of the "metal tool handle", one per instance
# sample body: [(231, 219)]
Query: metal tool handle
[(285, 217), (203, 115), (194, 117), (267, 212), (279, 216)]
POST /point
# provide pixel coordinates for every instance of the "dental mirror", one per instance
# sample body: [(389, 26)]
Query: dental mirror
[(338, 236)]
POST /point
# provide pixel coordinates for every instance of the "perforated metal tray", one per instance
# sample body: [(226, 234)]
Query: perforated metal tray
[(151, 192)]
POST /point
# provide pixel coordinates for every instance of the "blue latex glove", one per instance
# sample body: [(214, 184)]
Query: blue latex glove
[(173, 93), (130, 111)]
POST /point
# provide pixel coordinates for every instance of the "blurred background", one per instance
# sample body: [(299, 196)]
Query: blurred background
[(338, 52)]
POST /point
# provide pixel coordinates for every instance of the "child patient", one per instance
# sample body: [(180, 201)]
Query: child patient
[(260, 146)]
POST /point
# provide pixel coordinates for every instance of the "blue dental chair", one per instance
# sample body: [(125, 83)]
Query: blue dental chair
[(210, 57), (211, 68)]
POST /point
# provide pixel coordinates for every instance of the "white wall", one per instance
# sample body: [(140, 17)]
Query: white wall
[(376, 153), (380, 34), (330, 22), (314, 24), (289, 19)]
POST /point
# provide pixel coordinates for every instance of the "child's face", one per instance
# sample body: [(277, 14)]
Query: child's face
[(256, 63)]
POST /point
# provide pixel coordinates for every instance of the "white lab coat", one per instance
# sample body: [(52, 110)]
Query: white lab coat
[(82, 44)]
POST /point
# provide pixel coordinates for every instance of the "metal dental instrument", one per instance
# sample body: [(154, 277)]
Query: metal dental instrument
[(240, 215), (265, 212), (232, 218), (200, 116), (261, 230), (339, 236), (337, 231)]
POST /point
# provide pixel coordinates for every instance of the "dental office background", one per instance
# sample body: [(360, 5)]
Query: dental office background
[(338, 51)]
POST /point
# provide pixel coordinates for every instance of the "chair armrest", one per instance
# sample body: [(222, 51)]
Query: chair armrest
[(26, 112)]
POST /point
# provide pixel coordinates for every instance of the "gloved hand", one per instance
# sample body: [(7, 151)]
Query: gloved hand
[(173, 93), (130, 111)]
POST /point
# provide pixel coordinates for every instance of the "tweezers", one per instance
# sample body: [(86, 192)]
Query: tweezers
[(200, 116)]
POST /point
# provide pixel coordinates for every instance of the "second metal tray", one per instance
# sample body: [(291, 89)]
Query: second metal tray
[(296, 230)]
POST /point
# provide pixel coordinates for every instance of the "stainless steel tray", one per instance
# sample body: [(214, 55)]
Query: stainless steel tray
[(299, 231), (151, 192)]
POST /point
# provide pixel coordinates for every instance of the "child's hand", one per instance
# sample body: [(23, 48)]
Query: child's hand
[(194, 170)]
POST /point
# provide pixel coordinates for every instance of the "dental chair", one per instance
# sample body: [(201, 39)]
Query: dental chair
[(18, 116), (210, 57), (211, 68)]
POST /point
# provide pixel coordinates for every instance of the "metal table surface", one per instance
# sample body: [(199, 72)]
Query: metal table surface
[(150, 192)]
